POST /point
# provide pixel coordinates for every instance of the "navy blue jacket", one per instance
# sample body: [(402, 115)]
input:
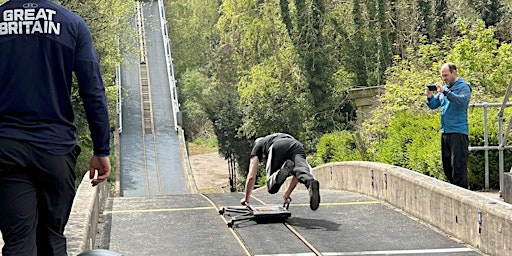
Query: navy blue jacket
[(454, 107), (41, 45)]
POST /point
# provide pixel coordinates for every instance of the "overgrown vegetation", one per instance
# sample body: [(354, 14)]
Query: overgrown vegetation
[(247, 68), (202, 145)]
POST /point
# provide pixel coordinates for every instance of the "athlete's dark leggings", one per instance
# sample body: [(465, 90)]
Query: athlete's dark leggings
[(288, 149), (36, 195)]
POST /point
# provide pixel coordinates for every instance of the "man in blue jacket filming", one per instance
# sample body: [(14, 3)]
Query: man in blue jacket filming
[(453, 98)]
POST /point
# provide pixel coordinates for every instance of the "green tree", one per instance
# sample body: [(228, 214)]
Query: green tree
[(192, 36), (490, 11), (194, 87), (385, 50), (483, 60), (305, 24), (256, 43), (366, 40), (358, 56), (222, 100), (435, 19), (444, 22), (191, 33), (272, 97), (425, 18), (222, 109)]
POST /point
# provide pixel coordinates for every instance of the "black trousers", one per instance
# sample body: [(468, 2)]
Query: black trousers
[(454, 153), (36, 195), (288, 149)]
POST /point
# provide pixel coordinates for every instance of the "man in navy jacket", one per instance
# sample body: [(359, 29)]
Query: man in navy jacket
[(41, 45), (453, 98)]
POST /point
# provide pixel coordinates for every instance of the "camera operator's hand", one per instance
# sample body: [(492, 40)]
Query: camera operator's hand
[(440, 87), (428, 92)]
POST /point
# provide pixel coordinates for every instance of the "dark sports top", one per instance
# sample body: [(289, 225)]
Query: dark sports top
[(41, 45), (262, 145)]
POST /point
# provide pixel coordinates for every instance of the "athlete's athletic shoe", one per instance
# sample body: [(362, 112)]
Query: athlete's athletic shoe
[(314, 195)]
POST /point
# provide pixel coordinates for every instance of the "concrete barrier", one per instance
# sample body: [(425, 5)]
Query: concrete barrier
[(506, 192), (81, 228), (480, 221)]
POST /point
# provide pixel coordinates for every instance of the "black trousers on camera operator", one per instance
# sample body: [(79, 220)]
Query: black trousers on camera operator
[(453, 98)]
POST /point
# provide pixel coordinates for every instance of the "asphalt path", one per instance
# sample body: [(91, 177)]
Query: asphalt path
[(345, 224)]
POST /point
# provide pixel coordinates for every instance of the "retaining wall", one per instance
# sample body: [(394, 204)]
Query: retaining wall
[(83, 221), (477, 220)]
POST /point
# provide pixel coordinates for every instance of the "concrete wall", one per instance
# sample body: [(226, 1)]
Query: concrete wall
[(81, 228), (365, 100), (507, 187), (479, 221)]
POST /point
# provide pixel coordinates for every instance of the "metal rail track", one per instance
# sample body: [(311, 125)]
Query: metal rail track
[(148, 126), (246, 248)]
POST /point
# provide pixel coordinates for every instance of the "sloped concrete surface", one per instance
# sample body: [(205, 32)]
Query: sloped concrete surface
[(345, 224)]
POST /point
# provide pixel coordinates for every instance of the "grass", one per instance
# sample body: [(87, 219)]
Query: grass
[(201, 146)]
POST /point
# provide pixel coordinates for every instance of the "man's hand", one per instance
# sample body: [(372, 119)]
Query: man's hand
[(440, 87), (99, 169), (287, 198), (428, 93)]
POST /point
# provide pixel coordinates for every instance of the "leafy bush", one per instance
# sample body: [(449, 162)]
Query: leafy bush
[(210, 142), (476, 161), (337, 146), (412, 142)]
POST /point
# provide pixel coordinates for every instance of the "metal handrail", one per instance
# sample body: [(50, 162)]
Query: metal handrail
[(170, 65), (503, 137), (119, 105), (486, 146)]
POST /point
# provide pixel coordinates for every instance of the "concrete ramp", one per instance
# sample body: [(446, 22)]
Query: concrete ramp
[(150, 157), (169, 225), (345, 224)]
